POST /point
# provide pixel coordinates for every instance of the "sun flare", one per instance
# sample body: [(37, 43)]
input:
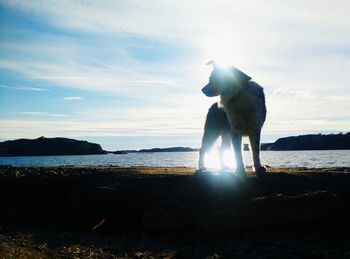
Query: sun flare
[(222, 47), (212, 159)]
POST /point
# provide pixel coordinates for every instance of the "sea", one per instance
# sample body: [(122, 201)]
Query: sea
[(310, 159)]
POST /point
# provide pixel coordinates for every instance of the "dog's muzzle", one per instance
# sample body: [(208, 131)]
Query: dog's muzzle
[(208, 91)]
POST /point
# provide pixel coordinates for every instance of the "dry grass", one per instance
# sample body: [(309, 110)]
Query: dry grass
[(24, 246)]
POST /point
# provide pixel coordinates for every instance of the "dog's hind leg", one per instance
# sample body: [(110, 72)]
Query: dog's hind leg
[(255, 149), (225, 145), (208, 141), (237, 147)]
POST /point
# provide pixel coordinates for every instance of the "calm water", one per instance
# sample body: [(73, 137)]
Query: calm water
[(324, 158)]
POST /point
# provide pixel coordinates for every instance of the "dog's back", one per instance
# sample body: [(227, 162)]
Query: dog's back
[(247, 111), (258, 91)]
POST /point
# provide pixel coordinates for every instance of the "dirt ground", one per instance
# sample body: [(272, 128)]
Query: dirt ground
[(148, 212)]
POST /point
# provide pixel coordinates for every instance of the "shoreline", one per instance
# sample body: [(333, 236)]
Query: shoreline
[(47, 170), (309, 159), (174, 212)]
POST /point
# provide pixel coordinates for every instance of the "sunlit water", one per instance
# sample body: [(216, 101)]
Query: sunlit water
[(324, 158)]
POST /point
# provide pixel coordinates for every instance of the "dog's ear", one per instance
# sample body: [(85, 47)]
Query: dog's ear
[(242, 77), (212, 62)]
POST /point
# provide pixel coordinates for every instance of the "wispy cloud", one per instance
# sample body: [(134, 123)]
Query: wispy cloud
[(24, 88), (185, 19), (299, 94), (32, 128), (338, 98), (43, 114), (72, 98), (128, 79)]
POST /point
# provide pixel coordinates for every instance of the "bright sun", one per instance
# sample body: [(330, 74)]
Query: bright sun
[(222, 46)]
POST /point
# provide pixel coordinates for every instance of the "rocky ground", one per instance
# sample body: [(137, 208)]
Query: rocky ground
[(107, 212)]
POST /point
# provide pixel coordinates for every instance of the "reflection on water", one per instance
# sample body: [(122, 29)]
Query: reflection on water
[(323, 158)]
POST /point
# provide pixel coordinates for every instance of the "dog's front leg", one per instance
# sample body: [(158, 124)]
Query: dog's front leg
[(255, 149), (237, 147)]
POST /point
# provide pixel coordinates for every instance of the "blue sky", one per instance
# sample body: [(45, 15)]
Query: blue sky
[(128, 74)]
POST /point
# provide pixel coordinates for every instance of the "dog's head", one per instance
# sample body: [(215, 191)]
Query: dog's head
[(223, 78)]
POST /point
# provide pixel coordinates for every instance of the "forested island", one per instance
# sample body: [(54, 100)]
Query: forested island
[(310, 142), (48, 147)]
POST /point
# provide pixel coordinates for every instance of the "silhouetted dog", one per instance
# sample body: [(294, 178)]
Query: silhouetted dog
[(244, 103), (216, 125)]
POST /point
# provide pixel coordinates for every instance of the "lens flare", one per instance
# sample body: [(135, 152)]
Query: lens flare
[(220, 47), (212, 160)]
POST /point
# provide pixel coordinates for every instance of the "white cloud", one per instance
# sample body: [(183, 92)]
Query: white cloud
[(72, 98)]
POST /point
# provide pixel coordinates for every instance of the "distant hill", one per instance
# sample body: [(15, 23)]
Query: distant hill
[(48, 146), (154, 150), (170, 149), (311, 142)]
